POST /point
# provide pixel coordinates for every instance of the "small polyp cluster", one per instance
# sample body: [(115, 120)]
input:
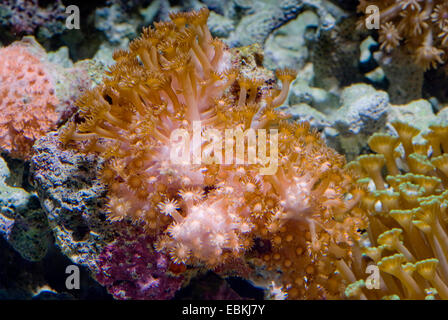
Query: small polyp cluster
[(420, 26)]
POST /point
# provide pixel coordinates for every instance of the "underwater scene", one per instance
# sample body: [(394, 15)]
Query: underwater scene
[(224, 150)]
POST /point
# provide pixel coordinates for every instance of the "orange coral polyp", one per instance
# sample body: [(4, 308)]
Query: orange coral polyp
[(206, 214), (419, 26), (286, 76)]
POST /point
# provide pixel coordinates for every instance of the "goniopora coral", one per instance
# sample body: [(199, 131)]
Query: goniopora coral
[(421, 26), (296, 221), (406, 203)]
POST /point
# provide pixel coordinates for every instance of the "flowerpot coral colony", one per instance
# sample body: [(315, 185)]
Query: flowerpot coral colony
[(314, 226)]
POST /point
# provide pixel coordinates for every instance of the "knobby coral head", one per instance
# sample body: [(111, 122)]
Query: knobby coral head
[(27, 100), (175, 75)]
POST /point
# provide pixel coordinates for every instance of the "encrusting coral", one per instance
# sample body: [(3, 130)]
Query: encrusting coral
[(130, 269), (421, 26), (295, 221), (27, 100), (407, 237), (27, 16)]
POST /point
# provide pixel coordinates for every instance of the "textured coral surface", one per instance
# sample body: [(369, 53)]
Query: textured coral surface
[(25, 16), (27, 100)]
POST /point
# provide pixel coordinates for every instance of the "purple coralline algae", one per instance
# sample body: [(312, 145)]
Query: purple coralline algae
[(130, 268), (27, 16), (119, 254)]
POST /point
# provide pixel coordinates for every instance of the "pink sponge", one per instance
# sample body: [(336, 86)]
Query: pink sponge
[(27, 100)]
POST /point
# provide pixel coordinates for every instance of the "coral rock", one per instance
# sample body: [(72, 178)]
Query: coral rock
[(71, 196), (26, 16), (22, 221)]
